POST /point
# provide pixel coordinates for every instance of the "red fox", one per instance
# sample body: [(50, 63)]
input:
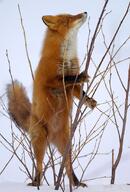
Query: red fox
[(57, 80)]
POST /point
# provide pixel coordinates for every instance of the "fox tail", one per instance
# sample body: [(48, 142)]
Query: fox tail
[(19, 106)]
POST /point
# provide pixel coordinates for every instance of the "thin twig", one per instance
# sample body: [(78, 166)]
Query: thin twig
[(25, 42)]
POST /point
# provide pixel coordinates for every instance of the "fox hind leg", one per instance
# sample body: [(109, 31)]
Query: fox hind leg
[(61, 143), (39, 142)]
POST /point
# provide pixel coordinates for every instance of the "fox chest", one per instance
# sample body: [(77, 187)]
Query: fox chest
[(68, 67), (69, 64)]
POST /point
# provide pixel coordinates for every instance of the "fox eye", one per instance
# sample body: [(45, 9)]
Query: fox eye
[(65, 24), (70, 20)]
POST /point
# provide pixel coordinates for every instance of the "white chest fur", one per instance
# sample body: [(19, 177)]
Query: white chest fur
[(69, 63), (69, 46)]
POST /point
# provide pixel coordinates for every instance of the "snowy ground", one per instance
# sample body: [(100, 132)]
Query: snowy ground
[(19, 187)]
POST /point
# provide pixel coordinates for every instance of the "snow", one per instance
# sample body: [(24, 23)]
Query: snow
[(19, 187)]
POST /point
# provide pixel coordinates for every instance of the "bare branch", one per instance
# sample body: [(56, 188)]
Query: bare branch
[(25, 42)]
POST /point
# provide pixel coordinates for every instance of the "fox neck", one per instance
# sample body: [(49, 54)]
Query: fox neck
[(69, 46), (59, 47)]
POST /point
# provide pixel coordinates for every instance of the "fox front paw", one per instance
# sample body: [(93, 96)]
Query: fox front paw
[(84, 77), (91, 103)]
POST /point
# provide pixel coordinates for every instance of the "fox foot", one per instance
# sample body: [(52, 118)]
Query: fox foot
[(76, 182), (36, 182), (80, 184)]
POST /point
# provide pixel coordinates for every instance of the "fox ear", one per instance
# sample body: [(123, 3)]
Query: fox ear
[(49, 21)]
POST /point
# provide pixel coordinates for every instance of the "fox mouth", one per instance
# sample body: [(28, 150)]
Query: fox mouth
[(84, 17)]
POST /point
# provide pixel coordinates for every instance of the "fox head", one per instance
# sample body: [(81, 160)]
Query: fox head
[(64, 22)]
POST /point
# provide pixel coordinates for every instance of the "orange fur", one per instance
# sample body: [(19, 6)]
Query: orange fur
[(19, 105), (57, 81)]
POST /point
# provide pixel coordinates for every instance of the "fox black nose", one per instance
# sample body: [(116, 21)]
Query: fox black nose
[(85, 13)]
